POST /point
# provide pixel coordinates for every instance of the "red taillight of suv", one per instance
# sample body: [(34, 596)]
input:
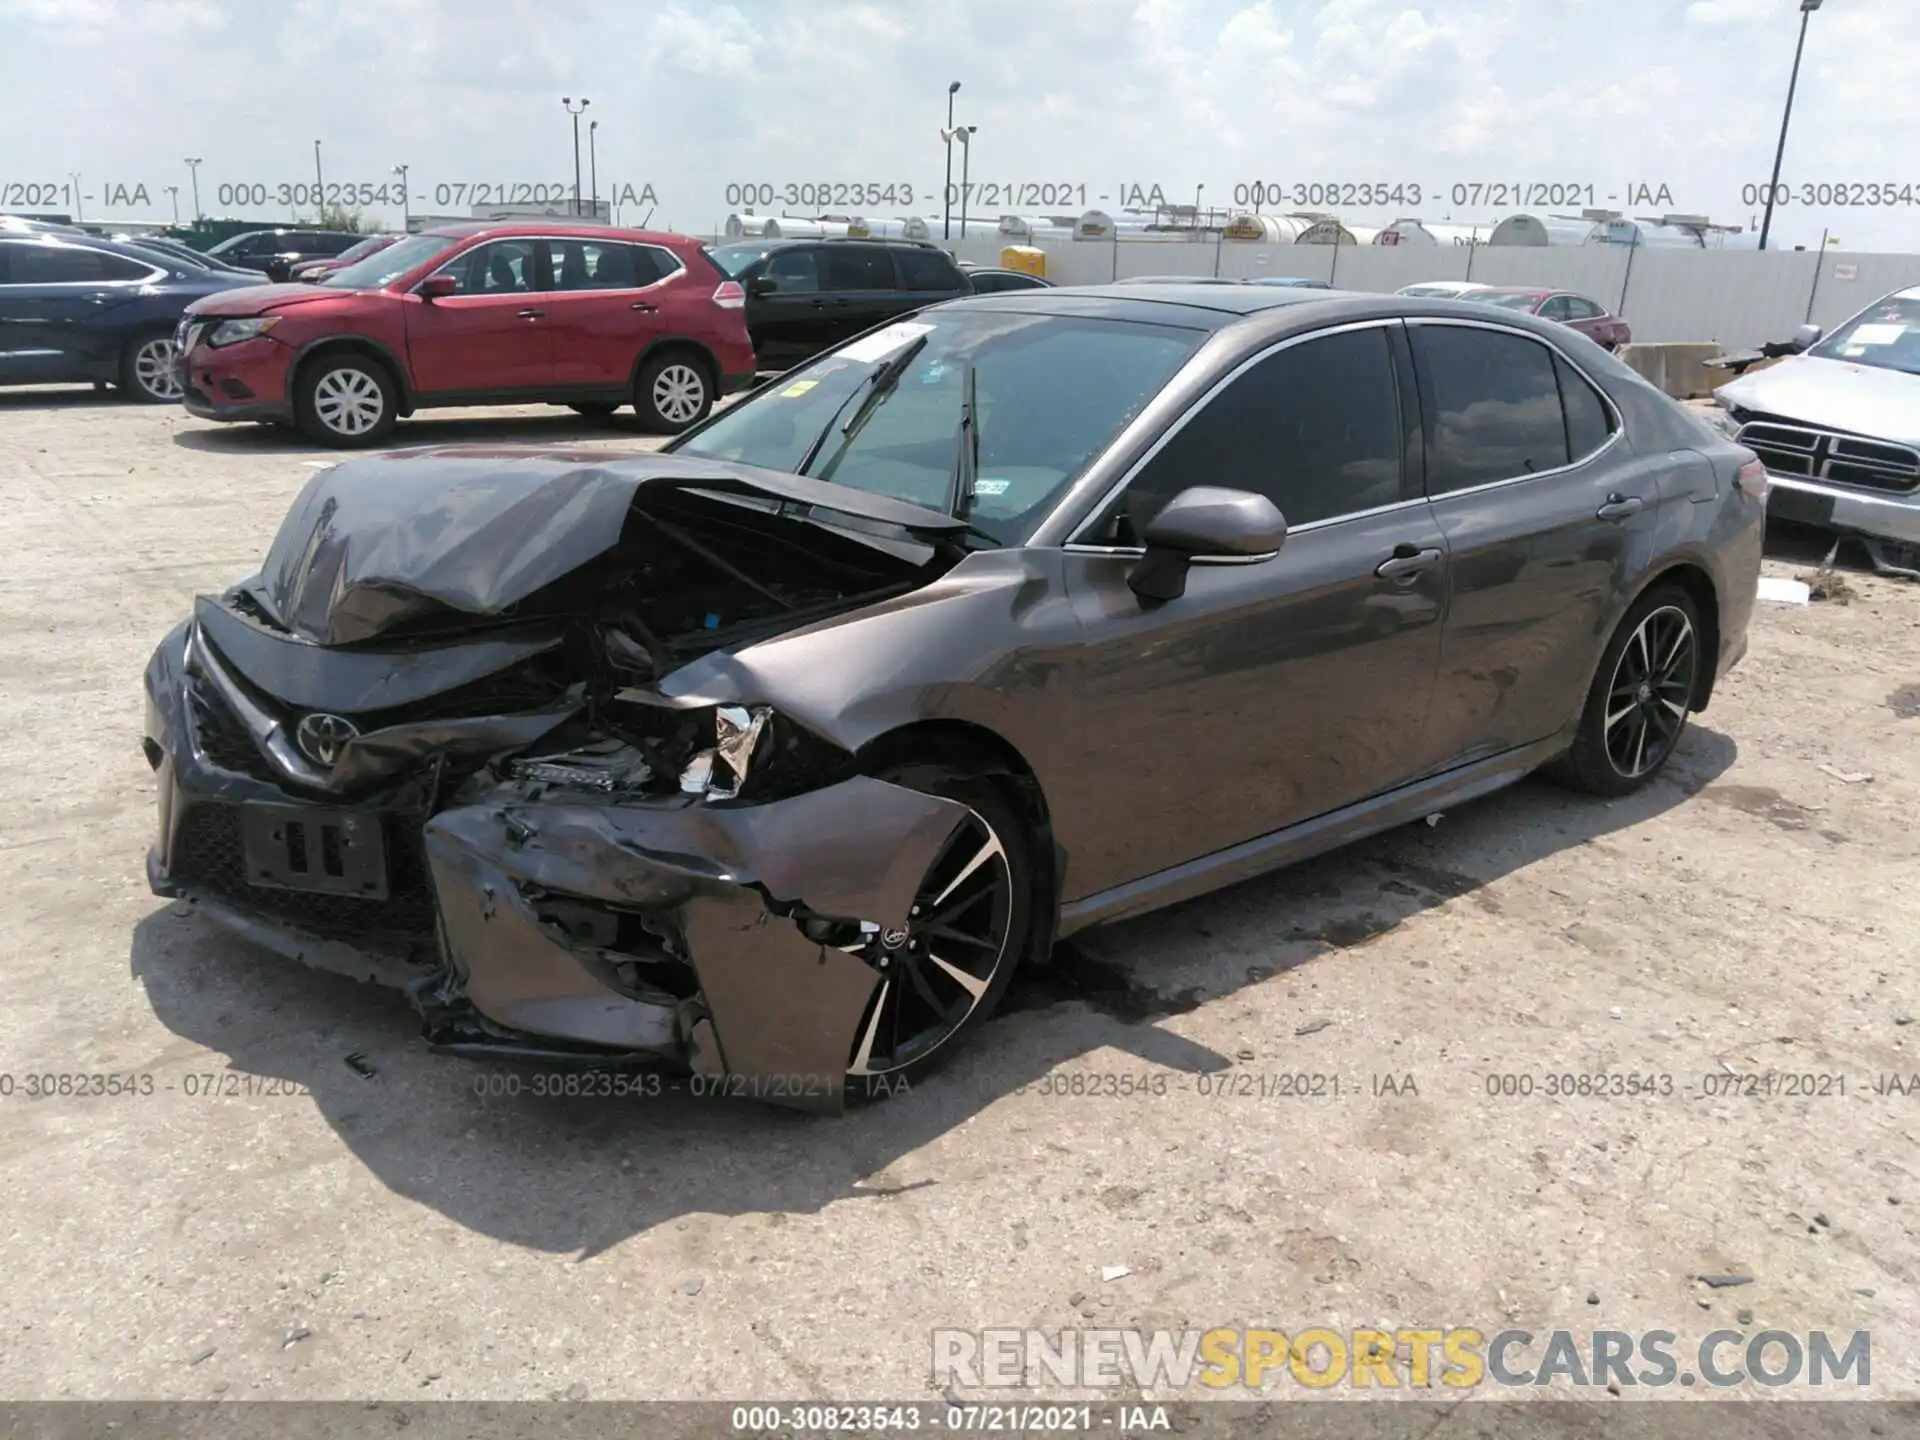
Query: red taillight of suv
[(1753, 479), (730, 296)]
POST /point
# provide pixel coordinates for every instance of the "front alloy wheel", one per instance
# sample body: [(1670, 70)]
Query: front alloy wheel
[(347, 402)]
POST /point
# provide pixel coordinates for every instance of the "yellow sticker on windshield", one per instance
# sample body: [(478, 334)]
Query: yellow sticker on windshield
[(798, 388)]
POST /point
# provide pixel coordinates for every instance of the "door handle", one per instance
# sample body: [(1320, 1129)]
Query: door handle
[(531, 314), (1407, 562), (646, 307), (1619, 507)]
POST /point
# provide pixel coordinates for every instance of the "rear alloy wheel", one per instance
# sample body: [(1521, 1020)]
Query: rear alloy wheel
[(147, 370), (945, 971), (1641, 696), (345, 401), (672, 393)]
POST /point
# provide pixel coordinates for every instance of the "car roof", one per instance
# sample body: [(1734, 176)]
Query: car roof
[(126, 249), (1218, 307), (562, 229), (1520, 290)]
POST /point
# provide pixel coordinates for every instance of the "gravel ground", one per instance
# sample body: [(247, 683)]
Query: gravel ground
[(317, 1232)]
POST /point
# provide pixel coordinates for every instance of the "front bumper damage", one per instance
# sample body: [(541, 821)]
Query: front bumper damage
[(526, 922)]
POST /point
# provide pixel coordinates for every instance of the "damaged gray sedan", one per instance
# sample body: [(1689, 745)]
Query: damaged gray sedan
[(774, 755)]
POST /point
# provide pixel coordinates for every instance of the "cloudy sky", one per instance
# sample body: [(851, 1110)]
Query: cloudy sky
[(1083, 96)]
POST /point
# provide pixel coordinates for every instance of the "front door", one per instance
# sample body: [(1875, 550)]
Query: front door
[(1545, 508), (862, 290), (1274, 691), (491, 335), (786, 311)]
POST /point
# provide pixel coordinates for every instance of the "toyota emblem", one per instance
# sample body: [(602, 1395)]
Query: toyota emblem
[(322, 737)]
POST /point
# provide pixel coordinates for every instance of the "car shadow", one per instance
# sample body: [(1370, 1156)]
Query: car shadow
[(575, 1175), (532, 427), (66, 397)]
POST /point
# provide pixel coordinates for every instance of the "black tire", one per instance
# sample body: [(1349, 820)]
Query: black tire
[(673, 392), (346, 400), (892, 1065), (147, 373), (593, 409), (1650, 669)]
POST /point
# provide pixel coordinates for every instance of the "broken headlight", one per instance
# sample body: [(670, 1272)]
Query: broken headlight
[(719, 773), (606, 767)]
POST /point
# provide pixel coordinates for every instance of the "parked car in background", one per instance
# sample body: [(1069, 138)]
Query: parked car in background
[(992, 280), (1296, 282), (185, 254), (805, 296), (1838, 427), (1440, 289), (476, 314), (318, 269), (777, 753), (1176, 280), (74, 309), (1589, 317), (274, 253)]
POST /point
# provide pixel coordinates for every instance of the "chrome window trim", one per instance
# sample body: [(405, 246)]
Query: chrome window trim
[(154, 272), (1114, 491), (1618, 429)]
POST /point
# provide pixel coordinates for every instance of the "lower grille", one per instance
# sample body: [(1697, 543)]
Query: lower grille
[(208, 856), (1851, 460)]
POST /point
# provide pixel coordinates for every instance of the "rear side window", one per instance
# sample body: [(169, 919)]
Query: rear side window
[(855, 267), (928, 270), (1589, 422), (606, 265), (65, 265), (1315, 428), (1492, 403)]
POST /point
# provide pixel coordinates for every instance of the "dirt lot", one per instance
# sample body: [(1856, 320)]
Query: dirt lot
[(398, 1235)]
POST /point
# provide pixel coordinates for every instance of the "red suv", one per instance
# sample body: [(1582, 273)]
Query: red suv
[(481, 314)]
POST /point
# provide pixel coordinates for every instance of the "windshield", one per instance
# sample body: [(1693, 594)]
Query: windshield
[(735, 258), (1505, 302), (1886, 335), (366, 247), (1051, 390), (389, 263), (231, 243)]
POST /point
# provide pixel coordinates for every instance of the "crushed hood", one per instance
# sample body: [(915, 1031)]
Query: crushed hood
[(373, 544), (1834, 395)]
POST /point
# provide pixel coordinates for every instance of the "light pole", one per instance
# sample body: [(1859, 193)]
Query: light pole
[(946, 225), (73, 176), (406, 214), (1807, 7), (567, 101), (174, 192), (193, 169), (1198, 190), (593, 168), (319, 181), (964, 134)]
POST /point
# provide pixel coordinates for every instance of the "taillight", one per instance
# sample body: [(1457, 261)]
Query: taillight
[(730, 296), (1753, 479)]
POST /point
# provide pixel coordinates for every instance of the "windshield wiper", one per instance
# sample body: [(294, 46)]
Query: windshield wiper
[(966, 449), (879, 384)]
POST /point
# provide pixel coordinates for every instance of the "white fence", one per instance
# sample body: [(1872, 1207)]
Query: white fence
[(1727, 297)]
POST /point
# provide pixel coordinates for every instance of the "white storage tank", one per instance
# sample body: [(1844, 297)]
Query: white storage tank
[(1541, 230), (1427, 234), (1332, 232), (1265, 229), (1099, 225), (1645, 233), (1017, 228), (903, 227), (784, 227)]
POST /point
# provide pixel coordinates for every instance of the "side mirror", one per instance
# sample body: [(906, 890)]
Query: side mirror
[(1200, 524), (1807, 336), (437, 287), (762, 285)]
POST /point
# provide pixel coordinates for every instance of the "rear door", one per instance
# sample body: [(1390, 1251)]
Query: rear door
[(861, 289), (492, 335), (609, 300), (1545, 509), (1276, 691)]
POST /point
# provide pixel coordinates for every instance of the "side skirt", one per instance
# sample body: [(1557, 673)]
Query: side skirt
[(1308, 838)]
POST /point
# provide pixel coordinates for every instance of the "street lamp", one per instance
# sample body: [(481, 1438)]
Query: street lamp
[(319, 182), (406, 214), (1807, 7), (946, 225), (74, 177), (193, 169), (964, 134), (593, 167), (174, 192), (567, 101), (1198, 190)]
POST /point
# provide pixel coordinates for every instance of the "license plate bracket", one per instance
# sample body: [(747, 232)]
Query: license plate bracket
[(299, 847)]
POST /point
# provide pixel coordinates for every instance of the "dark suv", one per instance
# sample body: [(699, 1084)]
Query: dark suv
[(274, 253), (805, 296)]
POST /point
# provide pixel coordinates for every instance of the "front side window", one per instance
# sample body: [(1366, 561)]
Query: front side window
[(1314, 427), (793, 272), (1051, 393), (855, 267), (1493, 405), (500, 267)]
